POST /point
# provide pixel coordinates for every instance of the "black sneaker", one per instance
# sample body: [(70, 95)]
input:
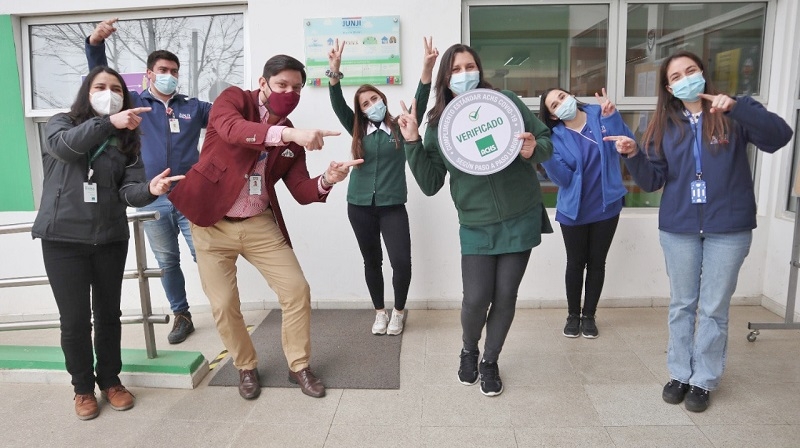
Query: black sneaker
[(181, 329), (589, 327), (674, 391), (491, 384), (468, 369), (573, 327), (697, 399)]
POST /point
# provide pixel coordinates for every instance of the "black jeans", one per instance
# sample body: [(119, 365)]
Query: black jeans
[(391, 221), (74, 270), (587, 247), (490, 280)]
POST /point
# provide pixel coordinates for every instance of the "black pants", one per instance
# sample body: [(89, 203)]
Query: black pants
[(587, 248), (74, 270), (391, 221), (490, 280)]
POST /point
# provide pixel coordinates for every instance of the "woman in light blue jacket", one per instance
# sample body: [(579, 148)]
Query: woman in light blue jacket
[(590, 194)]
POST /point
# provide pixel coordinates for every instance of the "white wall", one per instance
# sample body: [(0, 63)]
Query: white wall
[(321, 233)]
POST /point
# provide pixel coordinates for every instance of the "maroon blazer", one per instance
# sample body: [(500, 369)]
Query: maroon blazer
[(234, 140)]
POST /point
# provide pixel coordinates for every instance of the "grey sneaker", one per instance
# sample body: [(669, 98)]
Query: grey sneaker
[(181, 329), (491, 384), (468, 369), (381, 322), (589, 327), (395, 323), (573, 327)]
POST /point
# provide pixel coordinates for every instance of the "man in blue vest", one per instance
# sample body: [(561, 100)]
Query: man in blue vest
[(170, 135)]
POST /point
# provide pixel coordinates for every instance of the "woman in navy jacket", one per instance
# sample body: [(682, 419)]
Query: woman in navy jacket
[(695, 148), (590, 193)]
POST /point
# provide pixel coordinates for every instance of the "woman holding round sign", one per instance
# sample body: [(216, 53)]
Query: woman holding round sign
[(590, 192), (695, 148), (489, 142), (377, 192)]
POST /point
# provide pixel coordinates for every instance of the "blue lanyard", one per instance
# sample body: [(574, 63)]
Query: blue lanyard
[(698, 142)]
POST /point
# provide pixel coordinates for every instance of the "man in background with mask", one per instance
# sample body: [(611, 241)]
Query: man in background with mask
[(229, 197), (170, 135)]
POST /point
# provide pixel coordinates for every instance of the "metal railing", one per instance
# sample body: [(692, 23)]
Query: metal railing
[(142, 273)]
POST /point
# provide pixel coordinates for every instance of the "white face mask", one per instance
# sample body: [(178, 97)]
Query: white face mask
[(106, 102)]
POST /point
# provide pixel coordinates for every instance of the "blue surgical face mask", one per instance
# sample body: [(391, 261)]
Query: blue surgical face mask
[(568, 109), (166, 83), (464, 81), (376, 112), (689, 87)]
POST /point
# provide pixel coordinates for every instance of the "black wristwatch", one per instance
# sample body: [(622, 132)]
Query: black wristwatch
[(334, 75)]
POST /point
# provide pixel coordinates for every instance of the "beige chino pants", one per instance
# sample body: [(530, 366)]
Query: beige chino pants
[(260, 241)]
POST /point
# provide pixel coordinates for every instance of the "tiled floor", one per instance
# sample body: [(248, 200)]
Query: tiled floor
[(558, 392)]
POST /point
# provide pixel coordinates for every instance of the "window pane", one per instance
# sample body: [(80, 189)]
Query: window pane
[(529, 49), (210, 48), (728, 37)]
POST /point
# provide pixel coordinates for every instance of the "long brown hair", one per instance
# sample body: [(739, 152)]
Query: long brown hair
[(442, 86), (671, 108), (361, 122)]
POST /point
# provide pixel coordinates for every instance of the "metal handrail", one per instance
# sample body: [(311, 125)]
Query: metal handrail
[(147, 318)]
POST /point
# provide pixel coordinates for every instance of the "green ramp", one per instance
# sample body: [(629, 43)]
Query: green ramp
[(45, 364)]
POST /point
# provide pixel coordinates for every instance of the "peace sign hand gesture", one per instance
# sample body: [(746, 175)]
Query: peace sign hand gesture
[(335, 56), (607, 107), (429, 59), (408, 121)]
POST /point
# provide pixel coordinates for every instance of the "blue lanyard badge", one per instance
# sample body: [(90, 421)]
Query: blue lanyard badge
[(698, 186)]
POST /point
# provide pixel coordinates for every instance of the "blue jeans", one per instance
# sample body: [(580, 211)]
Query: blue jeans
[(163, 238), (703, 270)]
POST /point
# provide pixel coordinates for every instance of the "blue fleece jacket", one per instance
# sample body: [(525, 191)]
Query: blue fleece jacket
[(731, 203), (566, 168), (161, 148)]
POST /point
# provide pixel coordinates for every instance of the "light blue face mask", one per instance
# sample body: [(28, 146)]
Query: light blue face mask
[(568, 109), (464, 81), (166, 83), (689, 87), (376, 112)]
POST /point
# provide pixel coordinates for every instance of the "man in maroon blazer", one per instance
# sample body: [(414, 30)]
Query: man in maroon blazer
[(229, 197)]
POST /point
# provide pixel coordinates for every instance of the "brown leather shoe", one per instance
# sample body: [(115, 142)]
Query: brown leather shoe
[(118, 397), (249, 387), (309, 384), (86, 406)]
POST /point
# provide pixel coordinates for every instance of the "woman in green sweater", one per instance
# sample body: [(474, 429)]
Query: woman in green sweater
[(501, 216), (376, 194)]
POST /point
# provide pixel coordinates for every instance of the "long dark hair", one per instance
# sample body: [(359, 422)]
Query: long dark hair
[(442, 86), (545, 114), (671, 108), (361, 122), (81, 110)]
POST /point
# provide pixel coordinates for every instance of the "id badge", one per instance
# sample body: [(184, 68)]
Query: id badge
[(255, 184), (698, 192), (174, 126), (89, 192)]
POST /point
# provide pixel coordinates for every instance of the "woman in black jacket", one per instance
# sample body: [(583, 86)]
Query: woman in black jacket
[(92, 174)]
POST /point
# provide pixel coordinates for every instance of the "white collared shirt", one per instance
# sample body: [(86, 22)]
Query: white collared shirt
[(371, 128)]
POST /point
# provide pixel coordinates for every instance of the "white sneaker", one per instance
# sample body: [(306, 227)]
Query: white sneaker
[(381, 320), (396, 324)]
